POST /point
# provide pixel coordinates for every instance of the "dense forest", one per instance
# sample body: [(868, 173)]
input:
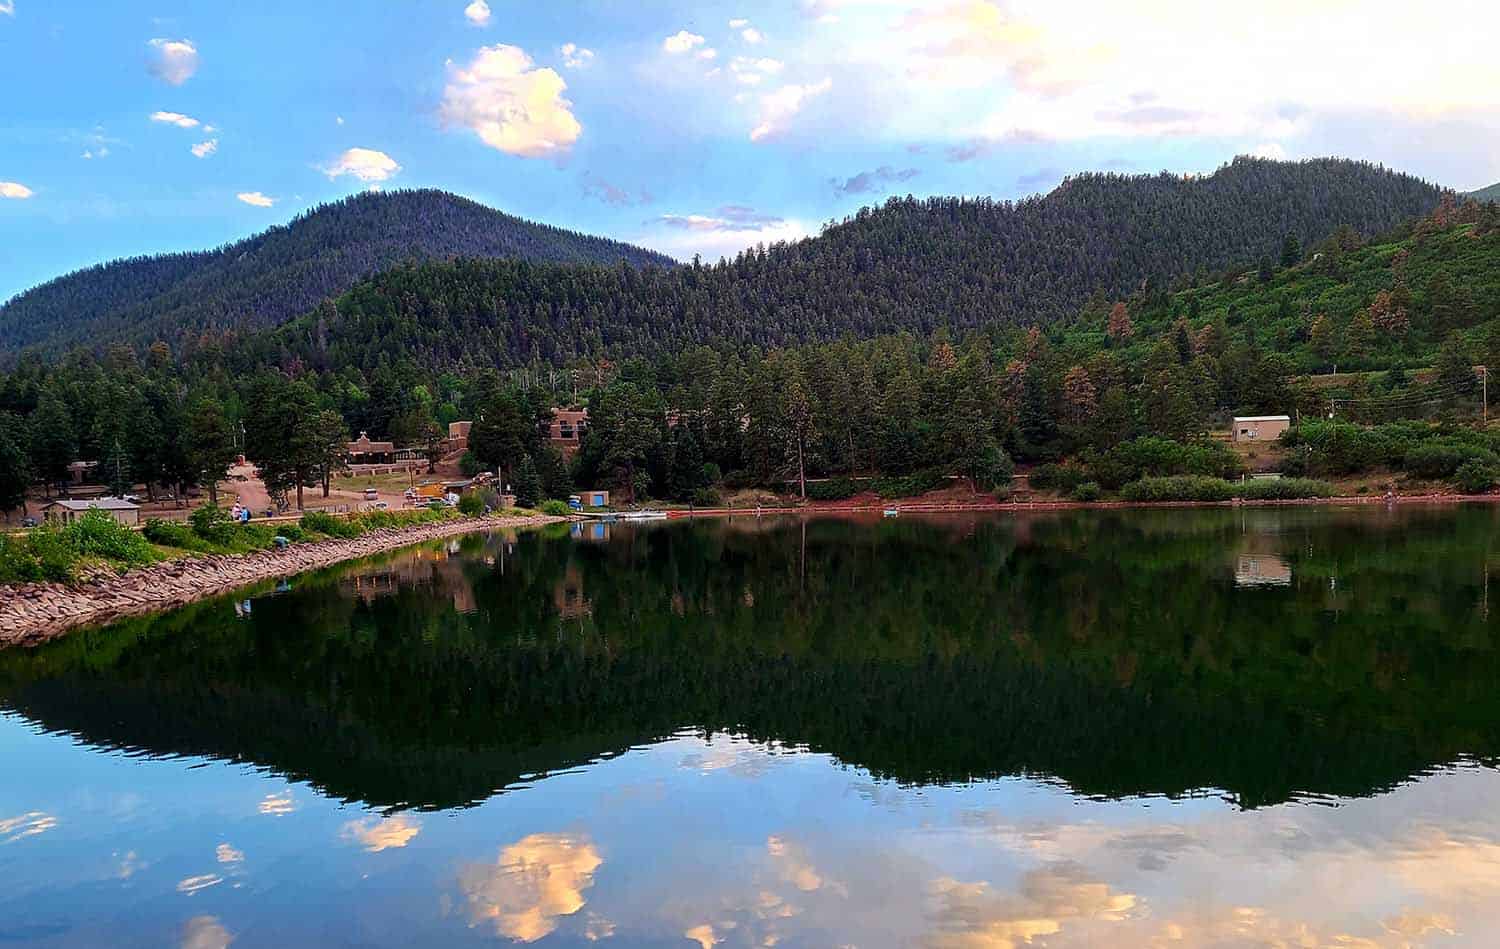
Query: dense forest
[(267, 279), (909, 266), (1122, 390), (1492, 193)]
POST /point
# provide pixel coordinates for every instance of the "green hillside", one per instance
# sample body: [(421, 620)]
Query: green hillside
[(1492, 193)]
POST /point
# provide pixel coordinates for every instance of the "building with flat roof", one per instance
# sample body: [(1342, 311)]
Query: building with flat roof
[(66, 512), (1259, 428), (566, 427)]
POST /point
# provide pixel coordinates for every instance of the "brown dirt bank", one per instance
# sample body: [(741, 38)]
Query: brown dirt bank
[(32, 613)]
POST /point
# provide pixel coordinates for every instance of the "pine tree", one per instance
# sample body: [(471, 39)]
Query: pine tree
[(528, 483)]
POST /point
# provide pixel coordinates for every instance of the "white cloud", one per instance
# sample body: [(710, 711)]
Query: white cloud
[(1269, 150), (14, 190), (101, 152), (707, 54), (175, 118), (751, 35), (478, 13), (511, 106), (738, 24), (377, 835), (575, 56), (210, 129), (750, 71), (779, 107), (8, 7), (204, 149), (720, 233), (205, 932), (173, 61), (366, 164), (681, 42)]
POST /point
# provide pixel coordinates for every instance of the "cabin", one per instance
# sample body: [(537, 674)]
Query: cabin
[(1259, 428), (594, 498), (365, 451), (65, 512)]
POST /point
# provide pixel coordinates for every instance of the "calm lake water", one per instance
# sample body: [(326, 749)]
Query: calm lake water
[(1124, 729)]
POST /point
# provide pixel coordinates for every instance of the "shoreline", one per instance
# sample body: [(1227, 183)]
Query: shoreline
[(1019, 507), (35, 613)]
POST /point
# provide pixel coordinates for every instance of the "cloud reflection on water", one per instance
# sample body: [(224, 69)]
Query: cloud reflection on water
[(536, 881)]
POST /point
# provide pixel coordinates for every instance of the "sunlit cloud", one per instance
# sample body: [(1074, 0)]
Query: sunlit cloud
[(534, 884), (204, 149), (196, 884), (227, 855), (277, 805), (205, 932), (8, 7), (172, 61), (681, 42), (730, 217), (175, 118), (974, 915), (378, 835), (15, 190), (575, 56), (511, 106), (778, 108), (478, 13), (703, 935), (31, 823), (366, 164), (598, 928), (256, 199)]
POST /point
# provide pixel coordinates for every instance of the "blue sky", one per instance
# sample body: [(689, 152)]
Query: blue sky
[(140, 127)]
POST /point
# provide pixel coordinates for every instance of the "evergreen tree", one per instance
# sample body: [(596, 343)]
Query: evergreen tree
[(528, 483), (15, 465), (210, 445)]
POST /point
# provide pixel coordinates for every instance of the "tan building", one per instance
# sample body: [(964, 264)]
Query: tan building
[(365, 451), (566, 428), (66, 512), (458, 436), (1259, 428)]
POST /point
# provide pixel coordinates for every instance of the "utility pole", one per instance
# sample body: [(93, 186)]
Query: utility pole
[(1484, 388)]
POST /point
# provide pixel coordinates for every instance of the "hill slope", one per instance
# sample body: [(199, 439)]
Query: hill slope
[(1492, 193), (265, 280), (909, 265)]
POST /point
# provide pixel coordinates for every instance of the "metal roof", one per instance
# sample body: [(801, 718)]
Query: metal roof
[(1262, 418), (103, 504)]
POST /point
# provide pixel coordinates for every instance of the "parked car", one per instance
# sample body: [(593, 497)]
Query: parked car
[(378, 506), (371, 494), (28, 522)]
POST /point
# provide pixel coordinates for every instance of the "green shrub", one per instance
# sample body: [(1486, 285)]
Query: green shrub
[(706, 497), (97, 534), (909, 485), (1178, 488), (469, 464), (54, 551), (1443, 459), (320, 522), (834, 489), (1054, 477), (18, 561), (470, 504), (556, 508), (172, 534), (1087, 491), (1475, 476), (214, 525), (1283, 489)]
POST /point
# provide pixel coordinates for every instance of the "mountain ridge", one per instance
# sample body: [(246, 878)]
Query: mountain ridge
[(276, 274)]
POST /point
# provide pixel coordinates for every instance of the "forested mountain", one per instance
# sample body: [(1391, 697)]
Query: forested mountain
[(909, 265), (1492, 193), (264, 280)]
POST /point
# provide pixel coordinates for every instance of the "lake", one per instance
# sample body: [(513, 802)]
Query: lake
[(1123, 728)]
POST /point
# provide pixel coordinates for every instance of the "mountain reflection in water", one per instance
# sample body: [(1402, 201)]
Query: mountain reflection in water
[(1265, 726)]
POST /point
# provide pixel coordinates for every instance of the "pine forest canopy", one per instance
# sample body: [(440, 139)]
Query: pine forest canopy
[(910, 265), (266, 279), (1492, 193)]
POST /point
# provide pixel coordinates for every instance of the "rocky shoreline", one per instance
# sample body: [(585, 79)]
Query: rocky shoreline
[(33, 613)]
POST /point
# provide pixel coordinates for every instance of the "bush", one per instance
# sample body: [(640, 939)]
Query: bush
[(18, 561), (556, 508), (706, 497), (1053, 477), (470, 504), (1178, 488), (1476, 477), (469, 465), (1087, 491), (909, 485), (834, 489), (213, 524), (97, 534), (1443, 459), (1283, 489), (319, 522), (172, 534)]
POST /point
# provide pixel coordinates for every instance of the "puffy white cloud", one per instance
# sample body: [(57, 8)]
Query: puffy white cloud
[(377, 835), (204, 149), (750, 71), (707, 54), (1269, 150), (272, 805), (510, 105), (8, 7), (14, 190), (205, 932), (739, 24), (172, 61), (256, 199), (681, 42), (751, 35), (366, 164), (175, 118), (575, 56), (228, 855), (338, 120), (779, 107), (536, 881), (478, 13)]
